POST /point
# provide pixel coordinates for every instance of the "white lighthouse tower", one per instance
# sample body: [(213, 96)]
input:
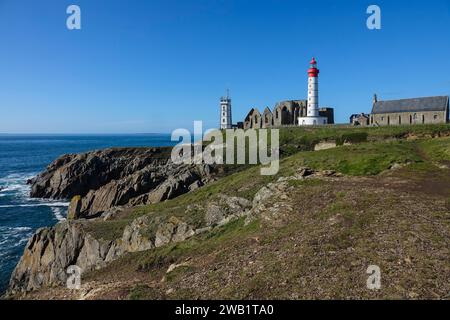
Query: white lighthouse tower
[(225, 112), (312, 110)]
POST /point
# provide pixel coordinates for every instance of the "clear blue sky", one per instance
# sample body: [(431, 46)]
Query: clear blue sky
[(153, 66)]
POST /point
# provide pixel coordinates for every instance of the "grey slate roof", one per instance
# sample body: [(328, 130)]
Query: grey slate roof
[(439, 103)]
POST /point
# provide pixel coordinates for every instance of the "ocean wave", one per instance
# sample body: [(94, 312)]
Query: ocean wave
[(58, 213), (15, 187), (17, 178), (13, 230), (50, 204), (12, 237)]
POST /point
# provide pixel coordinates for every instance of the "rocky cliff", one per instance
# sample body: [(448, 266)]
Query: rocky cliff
[(100, 183), (101, 180), (51, 251)]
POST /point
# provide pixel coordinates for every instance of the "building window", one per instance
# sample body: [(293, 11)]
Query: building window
[(423, 118), (399, 119), (435, 117), (382, 118)]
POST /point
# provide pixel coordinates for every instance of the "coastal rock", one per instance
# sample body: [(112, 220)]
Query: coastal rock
[(226, 208), (134, 239), (51, 251), (101, 180), (74, 208), (174, 230)]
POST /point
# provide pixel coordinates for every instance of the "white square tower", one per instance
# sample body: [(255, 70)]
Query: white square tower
[(225, 113)]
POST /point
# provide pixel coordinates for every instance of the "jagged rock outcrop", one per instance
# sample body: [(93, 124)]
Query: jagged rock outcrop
[(225, 209), (51, 251), (101, 180)]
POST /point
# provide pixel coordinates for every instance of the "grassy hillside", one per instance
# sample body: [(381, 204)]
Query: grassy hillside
[(391, 208)]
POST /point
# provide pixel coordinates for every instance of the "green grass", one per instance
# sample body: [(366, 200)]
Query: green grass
[(211, 241), (362, 159), (436, 149), (296, 139), (107, 230), (178, 272), (143, 292), (358, 160)]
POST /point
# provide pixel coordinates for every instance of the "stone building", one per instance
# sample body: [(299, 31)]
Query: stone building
[(284, 113), (410, 111), (327, 113), (253, 119), (360, 119), (267, 118)]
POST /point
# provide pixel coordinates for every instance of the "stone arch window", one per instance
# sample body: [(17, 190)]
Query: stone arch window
[(382, 118), (410, 119), (423, 118), (285, 115), (399, 119), (415, 116), (435, 117), (388, 120)]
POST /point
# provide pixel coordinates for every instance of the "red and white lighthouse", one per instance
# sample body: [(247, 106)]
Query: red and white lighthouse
[(312, 110), (313, 89)]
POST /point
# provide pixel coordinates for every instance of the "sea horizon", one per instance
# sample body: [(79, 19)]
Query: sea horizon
[(23, 156)]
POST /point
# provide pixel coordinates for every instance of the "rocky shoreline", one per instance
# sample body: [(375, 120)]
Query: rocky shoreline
[(99, 185), (51, 251), (99, 181)]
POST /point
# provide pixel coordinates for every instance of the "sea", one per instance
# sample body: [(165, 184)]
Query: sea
[(23, 157)]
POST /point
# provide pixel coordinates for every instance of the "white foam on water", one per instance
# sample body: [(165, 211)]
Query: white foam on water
[(58, 213), (11, 237), (21, 228), (16, 184), (50, 204)]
